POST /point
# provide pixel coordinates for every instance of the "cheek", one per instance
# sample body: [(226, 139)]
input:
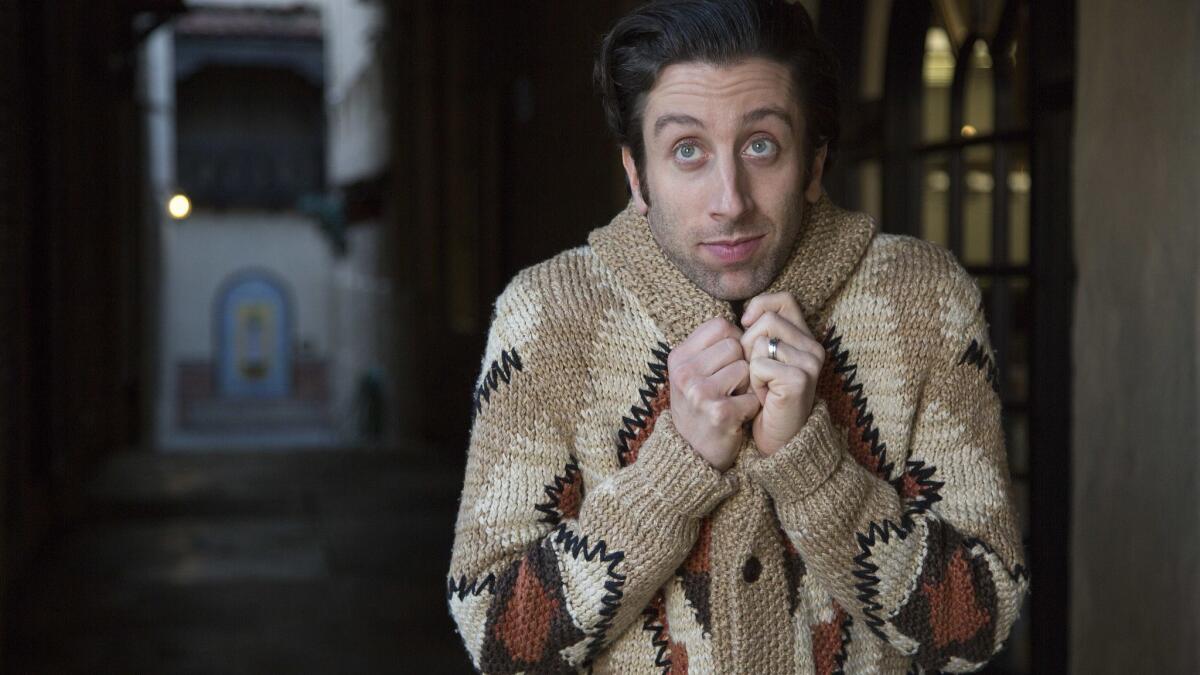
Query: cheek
[(774, 190), (680, 197)]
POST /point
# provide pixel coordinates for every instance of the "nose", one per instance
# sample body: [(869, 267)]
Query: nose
[(731, 196)]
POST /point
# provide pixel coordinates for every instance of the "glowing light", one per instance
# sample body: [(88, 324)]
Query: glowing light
[(938, 69), (969, 131), (179, 206), (979, 181)]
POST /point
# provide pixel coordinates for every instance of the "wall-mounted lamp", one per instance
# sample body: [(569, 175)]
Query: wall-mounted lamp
[(179, 206)]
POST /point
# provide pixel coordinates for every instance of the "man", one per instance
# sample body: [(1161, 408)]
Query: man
[(739, 431)]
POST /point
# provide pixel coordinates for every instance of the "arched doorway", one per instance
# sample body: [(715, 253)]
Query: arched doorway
[(253, 320)]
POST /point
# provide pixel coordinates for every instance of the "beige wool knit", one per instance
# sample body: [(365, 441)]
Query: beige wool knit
[(881, 539)]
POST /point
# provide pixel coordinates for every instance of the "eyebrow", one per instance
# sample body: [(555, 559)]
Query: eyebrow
[(756, 115), (761, 114), (686, 120)]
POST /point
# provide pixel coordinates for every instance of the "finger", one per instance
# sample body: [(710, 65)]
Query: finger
[(717, 356), (780, 379), (746, 405), (760, 380), (772, 325), (705, 335), (782, 303), (733, 379), (787, 354)]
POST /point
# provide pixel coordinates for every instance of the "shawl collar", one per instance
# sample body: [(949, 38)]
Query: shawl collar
[(830, 244)]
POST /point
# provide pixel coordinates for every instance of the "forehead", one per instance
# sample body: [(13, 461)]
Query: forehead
[(721, 93)]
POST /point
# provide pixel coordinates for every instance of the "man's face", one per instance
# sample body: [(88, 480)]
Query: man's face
[(724, 170)]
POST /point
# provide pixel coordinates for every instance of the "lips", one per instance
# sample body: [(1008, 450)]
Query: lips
[(732, 251)]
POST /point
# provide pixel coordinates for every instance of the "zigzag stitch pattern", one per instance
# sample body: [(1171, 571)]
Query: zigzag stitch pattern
[(864, 420), (474, 588), (926, 497), (575, 545), (877, 533), (658, 637), (501, 370), (844, 652), (549, 508), (978, 357), (614, 587), (639, 414)]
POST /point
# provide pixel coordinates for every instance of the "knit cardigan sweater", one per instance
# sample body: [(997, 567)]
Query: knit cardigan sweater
[(882, 538)]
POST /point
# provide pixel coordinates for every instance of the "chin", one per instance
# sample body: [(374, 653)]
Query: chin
[(739, 289)]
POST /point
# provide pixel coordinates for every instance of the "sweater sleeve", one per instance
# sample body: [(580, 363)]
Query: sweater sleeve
[(928, 555), (543, 576)]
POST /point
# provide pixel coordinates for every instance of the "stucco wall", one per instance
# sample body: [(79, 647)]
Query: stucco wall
[(206, 249), (1136, 502)]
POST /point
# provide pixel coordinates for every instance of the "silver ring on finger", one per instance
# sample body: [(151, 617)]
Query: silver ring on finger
[(773, 349)]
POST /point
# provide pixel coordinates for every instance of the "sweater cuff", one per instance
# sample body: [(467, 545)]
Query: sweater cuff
[(679, 477), (804, 463)]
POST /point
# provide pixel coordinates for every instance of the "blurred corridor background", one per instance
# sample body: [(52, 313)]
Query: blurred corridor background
[(249, 250)]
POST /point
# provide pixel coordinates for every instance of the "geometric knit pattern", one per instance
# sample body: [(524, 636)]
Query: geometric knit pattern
[(882, 538), (501, 371)]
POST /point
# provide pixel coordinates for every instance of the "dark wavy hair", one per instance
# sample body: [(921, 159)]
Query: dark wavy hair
[(719, 32)]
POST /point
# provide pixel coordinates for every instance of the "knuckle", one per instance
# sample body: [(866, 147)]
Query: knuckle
[(679, 372), (677, 359), (720, 413), (711, 389)]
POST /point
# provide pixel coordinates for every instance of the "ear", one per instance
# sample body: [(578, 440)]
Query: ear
[(635, 183), (812, 192)]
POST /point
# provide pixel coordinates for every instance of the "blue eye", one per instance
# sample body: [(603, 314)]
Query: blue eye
[(687, 152), (762, 147)]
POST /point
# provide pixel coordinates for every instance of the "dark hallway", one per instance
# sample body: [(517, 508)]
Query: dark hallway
[(308, 562), (154, 523), (250, 251)]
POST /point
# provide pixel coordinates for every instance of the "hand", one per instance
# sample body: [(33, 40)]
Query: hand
[(710, 398), (786, 386)]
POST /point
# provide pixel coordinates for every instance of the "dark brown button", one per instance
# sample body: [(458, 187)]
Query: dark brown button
[(751, 570)]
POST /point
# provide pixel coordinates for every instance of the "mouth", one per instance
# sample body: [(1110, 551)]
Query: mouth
[(730, 251)]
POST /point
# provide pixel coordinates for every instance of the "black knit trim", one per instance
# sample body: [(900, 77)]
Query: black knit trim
[(1018, 574), (928, 494), (639, 415), (614, 586), (500, 371), (568, 542), (979, 357), (659, 638), (864, 419), (844, 652), (866, 571), (550, 509), (474, 587)]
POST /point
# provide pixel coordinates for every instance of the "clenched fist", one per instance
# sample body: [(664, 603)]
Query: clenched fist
[(785, 386), (710, 398)]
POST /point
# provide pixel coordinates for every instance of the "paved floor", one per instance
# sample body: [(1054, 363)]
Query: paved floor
[(305, 562)]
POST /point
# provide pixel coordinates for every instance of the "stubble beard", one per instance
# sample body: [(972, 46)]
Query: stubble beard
[(682, 252)]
